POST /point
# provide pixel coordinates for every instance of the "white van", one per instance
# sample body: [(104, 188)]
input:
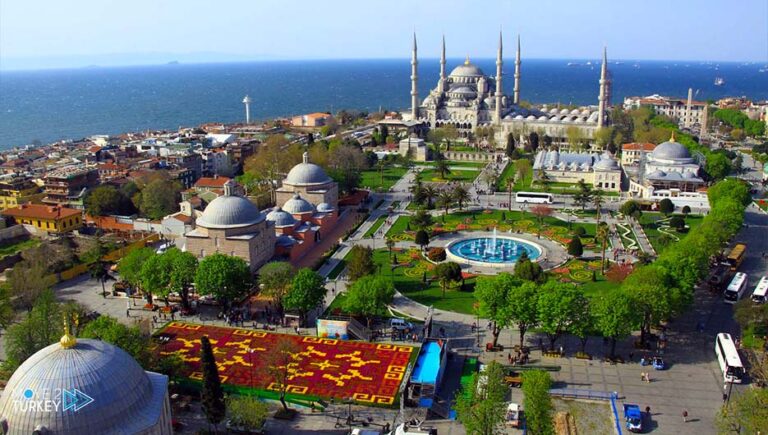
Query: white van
[(400, 324)]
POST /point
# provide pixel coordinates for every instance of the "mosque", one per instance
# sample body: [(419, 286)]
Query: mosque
[(84, 386), (468, 98), (233, 225)]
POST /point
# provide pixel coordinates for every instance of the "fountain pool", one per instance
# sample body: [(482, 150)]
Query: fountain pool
[(492, 251)]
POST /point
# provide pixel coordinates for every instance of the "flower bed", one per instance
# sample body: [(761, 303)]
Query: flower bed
[(369, 373)]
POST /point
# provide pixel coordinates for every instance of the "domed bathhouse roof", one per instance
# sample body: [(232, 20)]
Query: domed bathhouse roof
[(281, 218), (607, 163), (307, 174), (100, 389), (230, 211), (467, 70), (324, 207), (298, 205), (671, 150)]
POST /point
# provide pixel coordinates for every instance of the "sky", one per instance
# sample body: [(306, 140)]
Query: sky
[(76, 33)]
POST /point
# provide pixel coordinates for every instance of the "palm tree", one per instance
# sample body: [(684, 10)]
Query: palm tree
[(429, 193), (98, 272), (510, 187), (461, 195), (390, 244), (445, 201), (601, 236), (381, 164), (597, 201), (441, 165)]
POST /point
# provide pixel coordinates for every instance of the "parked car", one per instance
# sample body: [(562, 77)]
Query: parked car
[(400, 324), (633, 418)]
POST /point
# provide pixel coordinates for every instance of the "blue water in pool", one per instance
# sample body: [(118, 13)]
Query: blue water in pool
[(482, 249), (427, 365)]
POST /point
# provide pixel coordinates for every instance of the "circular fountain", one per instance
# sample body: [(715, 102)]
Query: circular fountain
[(493, 251)]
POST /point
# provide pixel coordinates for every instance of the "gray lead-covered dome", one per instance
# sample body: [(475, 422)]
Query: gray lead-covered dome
[(671, 150), (126, 399), (281, 218), (606, 163), (298, 205), (307, 174), (467, 70), (230, 211)]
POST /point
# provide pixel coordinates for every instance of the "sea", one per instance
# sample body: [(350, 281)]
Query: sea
[(50, 105)]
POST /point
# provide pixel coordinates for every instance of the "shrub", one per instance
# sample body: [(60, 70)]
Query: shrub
[(575, 247), (580, 231), (436, 254)]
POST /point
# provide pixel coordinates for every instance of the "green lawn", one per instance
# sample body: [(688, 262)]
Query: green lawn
[(375, 227), (456, 163), (649, 222), (457, 175), (18, 247), (520, 183), (372, 179)]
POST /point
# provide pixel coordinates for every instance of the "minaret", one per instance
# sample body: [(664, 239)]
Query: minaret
[(516, 99), (687, 121), (414, 81), (499, 89), (602, 98), (441, 85), (247, 102)]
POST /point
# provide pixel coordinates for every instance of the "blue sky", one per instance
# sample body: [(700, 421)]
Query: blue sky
[(48, 33)]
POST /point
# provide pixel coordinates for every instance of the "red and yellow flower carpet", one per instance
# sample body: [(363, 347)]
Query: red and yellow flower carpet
[(366, 372)]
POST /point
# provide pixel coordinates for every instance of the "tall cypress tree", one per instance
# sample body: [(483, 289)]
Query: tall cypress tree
[(212, 395)]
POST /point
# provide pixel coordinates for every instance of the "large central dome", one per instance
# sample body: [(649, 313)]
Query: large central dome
[(671, 150), (230, 211), (305, 174), (467, 70), (126, 399)]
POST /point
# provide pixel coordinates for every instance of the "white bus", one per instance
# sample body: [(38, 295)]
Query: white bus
[(534, 197), (736, 288), (728, 357), (761, 291)]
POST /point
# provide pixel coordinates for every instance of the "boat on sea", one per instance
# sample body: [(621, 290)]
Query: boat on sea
[(719, 81)]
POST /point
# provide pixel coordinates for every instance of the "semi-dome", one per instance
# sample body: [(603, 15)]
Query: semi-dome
[(467, 70), (298, 205), (281, 218), (671, 150), (306, 174), (230, 211), (324, 207), (123, 397), (465, 90)]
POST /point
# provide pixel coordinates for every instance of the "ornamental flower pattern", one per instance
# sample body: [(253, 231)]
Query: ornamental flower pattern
[(367, 372)]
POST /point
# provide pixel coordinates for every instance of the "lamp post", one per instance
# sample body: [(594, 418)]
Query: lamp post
[(250, 362)]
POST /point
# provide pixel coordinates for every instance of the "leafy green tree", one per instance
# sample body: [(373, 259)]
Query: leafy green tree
[(677, 222), (7, 313), (212, 395), (105, 200), (583, 324), (276, 278), (480, 408), (447, 273), (183, 267), (745, 413), (537, 402), (98, 271), (547, 141), (361, 262), (603, 136), (583, 195), (493, 296), (306, 293), (630, 208), (130, 266), (575, 247), (281, 365), (160, 198), (528, 270), (730, 188), (422, 220), (598, 197), (156, 277), (533, 140), (128, 338), (510, 144), (248, 412), (369, 297), (718, 166), (602, 236), (27, 280), (615, 316), (428, 193), (523, 168), (461, 195), (666, 206), (445, 201), (522, 307), (226, 277), (421, 238), (558, 307), (654, 297)]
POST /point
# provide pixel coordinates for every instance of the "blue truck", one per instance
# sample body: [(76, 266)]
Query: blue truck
[(633, 417)]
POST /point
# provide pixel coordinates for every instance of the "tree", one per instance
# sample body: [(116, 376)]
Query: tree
[(583, 196), (128, 338), (421, 239), (461, 195), (575, 248), (533, 139), (160, 198), (282, 365), (523, 167), (528, 270), (361, 262), (156, 276), (603, 136), (212, 395), (226, 277), (248, 412), (597, 200), (306, 293), (537, 402), (369, 297), (183, 269), (447, 273), (390, 244), (98, 271), (575, 138), (547, 141), (746, 412), (583, 324), (492, 294), (276, 277), (677, 222), (445, 201), (558, 306), (602, 235), (718, 166), (273, 158), (428, 194), (510, 144), (654, 297), (541, 211), (615, 316), (666, 206), (630, 208), (480, 407), (28, 280), (105, 200), (130, 266)]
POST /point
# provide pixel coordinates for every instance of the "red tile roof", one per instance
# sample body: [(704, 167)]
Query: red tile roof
[(638, 146), (40, 211), (211, 182)]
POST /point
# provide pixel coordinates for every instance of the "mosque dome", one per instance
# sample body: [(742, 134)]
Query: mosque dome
[(306, 174), (298, 205), (606, 163), (123, 397), (324, 207), (281, 218), (467, 70), (671, 150), (657, 174), (230, 211)]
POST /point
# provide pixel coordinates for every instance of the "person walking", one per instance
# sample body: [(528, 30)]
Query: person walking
[(685, 416), (648, 410)]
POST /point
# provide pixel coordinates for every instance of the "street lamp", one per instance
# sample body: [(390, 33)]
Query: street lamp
[(250, 362)]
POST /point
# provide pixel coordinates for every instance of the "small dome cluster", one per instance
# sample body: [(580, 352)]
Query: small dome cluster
[(298, 205)]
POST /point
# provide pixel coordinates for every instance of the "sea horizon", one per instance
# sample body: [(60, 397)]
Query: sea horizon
[(71, 103)]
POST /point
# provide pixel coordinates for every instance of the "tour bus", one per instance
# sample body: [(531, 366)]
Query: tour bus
[(728, 357), (761, 291), (736, 256), (534, 197), (736, 288)]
